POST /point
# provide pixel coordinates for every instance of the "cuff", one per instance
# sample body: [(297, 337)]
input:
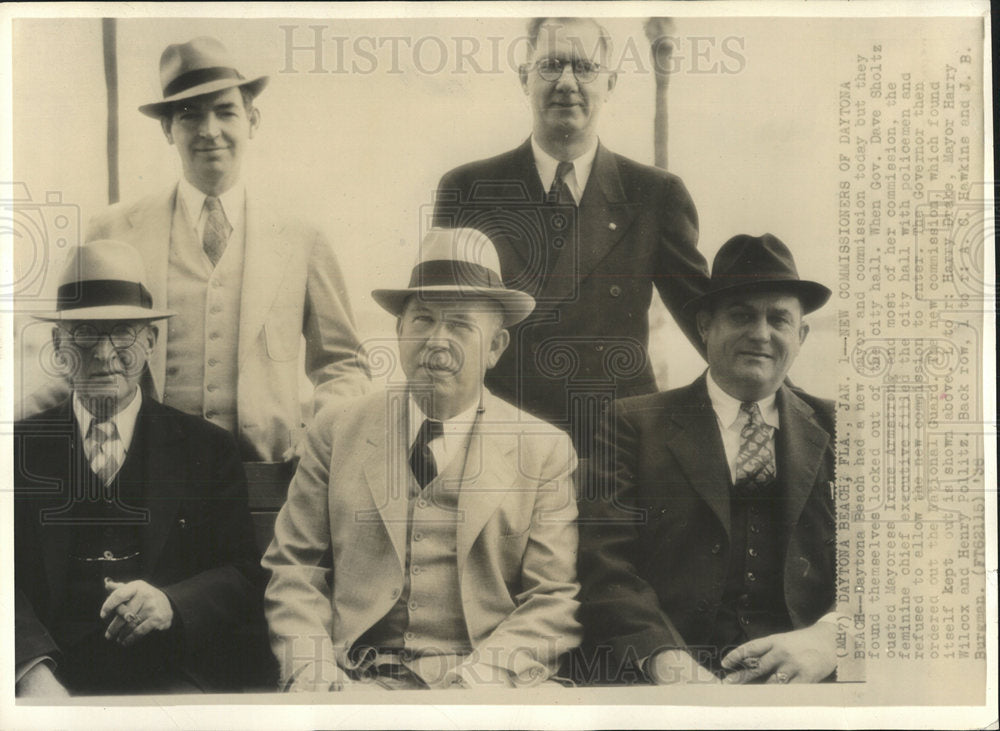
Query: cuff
[(21, 670)]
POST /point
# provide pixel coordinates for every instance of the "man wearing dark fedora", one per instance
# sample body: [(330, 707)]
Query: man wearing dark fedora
[(428, 539), (707, 521), (135, 561), (246, 282)]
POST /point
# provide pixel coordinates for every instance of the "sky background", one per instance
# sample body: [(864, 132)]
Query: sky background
[(357, 138)]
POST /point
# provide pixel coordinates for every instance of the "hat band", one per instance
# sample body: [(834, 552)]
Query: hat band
[(102, 293), (447, 272), (199, 76)]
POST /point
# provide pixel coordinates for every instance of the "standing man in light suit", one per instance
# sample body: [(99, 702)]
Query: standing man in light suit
[(428, 539), (587, 232), (246, 282), (707, 527)]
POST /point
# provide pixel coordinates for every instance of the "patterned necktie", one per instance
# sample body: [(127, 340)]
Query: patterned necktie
[(559, 191), (755, 466), (217, 230), (100, 443), (421, 458)]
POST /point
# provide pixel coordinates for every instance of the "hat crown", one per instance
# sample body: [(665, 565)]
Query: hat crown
[(464, 247), (197, 54), (104, 259), (750, 258)]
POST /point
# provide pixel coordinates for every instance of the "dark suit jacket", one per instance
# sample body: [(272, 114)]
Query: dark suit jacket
[(197, 541), (591, 269), (655, 523)]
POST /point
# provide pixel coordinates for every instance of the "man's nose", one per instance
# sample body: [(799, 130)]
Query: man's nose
[(758, 329), (567, 79), (104, 350), (209, 125)]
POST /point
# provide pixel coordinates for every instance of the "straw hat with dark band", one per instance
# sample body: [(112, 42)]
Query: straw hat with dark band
[(104, 280), (456, 264), (200, 66)]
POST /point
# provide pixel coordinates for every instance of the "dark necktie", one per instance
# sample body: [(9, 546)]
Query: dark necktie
[(559, 192), (421, 458), (755, 467), (217, 230)]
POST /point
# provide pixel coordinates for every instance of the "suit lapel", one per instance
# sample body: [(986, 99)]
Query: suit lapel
[(692, 435), (602, 219), (152, 227), (387, 471), (800, 442), (56, 536), (166, 474), (489, 474), (266, 256)]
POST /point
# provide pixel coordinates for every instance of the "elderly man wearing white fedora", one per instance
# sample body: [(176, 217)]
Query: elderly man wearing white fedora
[(246, 282), (135, 561), (429, 535)]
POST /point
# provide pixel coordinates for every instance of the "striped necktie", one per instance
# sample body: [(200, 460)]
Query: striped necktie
[(100, 445)]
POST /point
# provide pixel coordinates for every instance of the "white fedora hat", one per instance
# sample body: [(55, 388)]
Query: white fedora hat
[(104, 280), (200, 66), (458, 263)]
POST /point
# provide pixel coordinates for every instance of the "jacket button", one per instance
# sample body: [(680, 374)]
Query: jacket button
[(615, 290), (716, 548), (395, 593), (752, 552)]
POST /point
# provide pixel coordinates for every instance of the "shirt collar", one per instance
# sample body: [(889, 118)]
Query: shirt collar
[(232, 200), (457, 426), (546, 165), (727, 408), (124, 420)]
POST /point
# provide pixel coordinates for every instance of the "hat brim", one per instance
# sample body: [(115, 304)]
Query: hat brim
[(105, 312), (160, 109), (516, 305), (813, 295)]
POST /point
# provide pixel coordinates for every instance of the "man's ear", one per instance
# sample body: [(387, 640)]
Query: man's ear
[(703, 319), (57, 337), (166, 123), (522, 73), (254, 121), (612, 81), (803, 331), (152, 333), (499, 343)]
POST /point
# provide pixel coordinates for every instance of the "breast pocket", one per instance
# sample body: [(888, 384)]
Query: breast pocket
[(282, 335)]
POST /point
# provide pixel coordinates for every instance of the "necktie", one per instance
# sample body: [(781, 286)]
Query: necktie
[(421, 458), (755, 466), (100, 446), (217, 230), (559, 192)]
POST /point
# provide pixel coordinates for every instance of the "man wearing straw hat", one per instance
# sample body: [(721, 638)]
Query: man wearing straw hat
[(428, 539), (247, 283), (135, 559), (707, 536)]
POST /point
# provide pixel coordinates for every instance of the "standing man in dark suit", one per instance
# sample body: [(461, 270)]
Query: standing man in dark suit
[(135, 561), (587, 232), (707, 517)]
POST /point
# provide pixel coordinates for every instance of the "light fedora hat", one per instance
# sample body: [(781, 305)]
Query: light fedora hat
[(458, 263), (200, 66), (755, 263), (104, 280)]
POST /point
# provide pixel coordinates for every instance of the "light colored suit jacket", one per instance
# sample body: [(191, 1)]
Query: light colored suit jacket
[(339, 549), (292, 286)]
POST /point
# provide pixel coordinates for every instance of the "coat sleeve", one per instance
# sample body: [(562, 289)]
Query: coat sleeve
[(336, 362), (623, 621), (682, 273), (31, 638), (297, 601), (530, 642), (225, 593)]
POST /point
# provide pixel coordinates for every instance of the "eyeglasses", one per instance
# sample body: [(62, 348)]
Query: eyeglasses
[(86, 336), (551, 69)]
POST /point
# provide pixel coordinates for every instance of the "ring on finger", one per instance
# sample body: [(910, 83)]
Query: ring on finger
[(751, 663), (782, 678), (132, 618)]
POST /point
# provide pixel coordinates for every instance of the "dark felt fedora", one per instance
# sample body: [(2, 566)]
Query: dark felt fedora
[(457, 264), (200, 66), (754, 263)]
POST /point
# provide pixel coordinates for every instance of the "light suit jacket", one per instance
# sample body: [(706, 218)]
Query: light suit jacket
[(292, 286), (339, 550)]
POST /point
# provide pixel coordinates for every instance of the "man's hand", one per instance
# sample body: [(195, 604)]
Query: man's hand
[(806, 655), (677, 666), (136, 608), (40, 682)]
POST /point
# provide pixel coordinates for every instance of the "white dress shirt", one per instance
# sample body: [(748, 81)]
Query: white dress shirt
[(454, 438), (124, 422), (233, 205), (577, 180), (731, 420)]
